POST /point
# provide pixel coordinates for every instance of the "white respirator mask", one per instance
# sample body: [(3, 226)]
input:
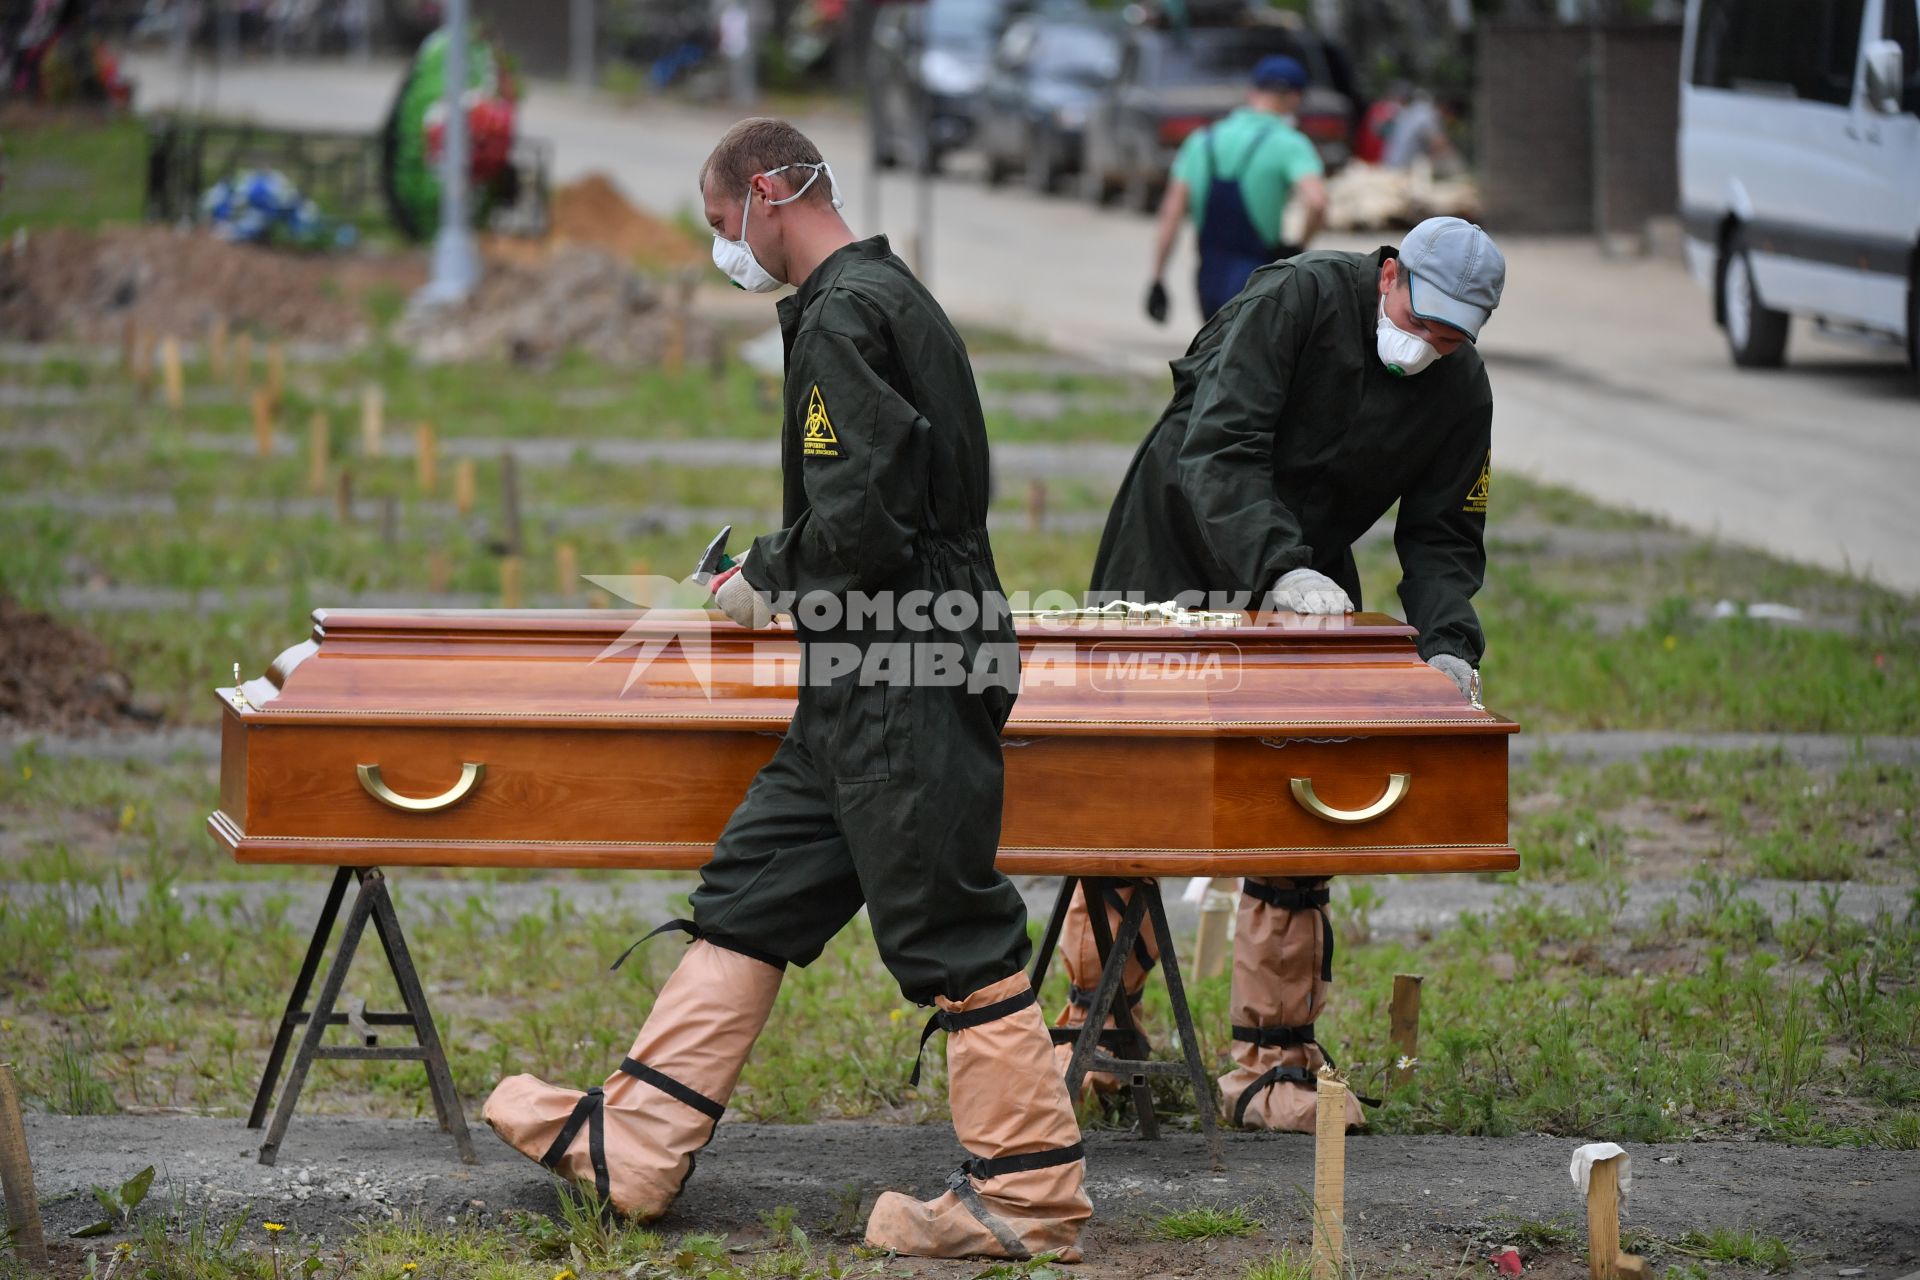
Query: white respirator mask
[(1404, 354), (735, 258)]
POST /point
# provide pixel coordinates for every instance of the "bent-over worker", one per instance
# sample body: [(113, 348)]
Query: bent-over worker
[(886, 788), (1332, 387)]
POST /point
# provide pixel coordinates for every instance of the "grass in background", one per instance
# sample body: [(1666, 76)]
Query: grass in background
[(74, 170)]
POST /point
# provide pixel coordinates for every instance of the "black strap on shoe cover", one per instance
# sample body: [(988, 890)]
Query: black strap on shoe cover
[(1009, 1240), (1110, 894), (980, 1168), (1273, 1076), (696, 934), (674, 1089), (1310, 897), (1082, 997), (1278, 1037), (588, 1111), (947, 1020)]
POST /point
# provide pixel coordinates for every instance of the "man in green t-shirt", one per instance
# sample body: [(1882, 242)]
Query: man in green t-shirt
[(1236, 178)]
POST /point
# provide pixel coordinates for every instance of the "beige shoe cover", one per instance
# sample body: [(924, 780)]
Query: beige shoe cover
[(1082, 958), (662, 1105), (1008, 1101), (1282, 968)]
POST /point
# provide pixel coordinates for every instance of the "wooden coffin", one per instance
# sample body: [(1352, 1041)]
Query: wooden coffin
[(1283, 745)]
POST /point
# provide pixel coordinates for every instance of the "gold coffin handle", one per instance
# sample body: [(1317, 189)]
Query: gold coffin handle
[(1398, 784), (375, 786)]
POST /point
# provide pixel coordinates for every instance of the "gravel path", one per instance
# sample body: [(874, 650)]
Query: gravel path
[(1837, 1208)]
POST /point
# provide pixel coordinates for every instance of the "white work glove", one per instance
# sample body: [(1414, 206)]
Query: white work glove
[(1455, 669), (738, 600), (1304, 591)]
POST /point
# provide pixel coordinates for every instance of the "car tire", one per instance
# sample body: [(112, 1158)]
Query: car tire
[(1038, 173), (1756, 333), (1913, 318)]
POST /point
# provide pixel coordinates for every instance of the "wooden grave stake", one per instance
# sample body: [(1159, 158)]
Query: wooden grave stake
[(1604, 1259), (217, 348), (1403, 1025), (262, 423), (463, 486), (343, 497), (510, 502), (1210, 949), (319, 447), (173, 376), (510, 582), (1036, 505), (566, 570), (16, 1176), (426, 457), (1329, 1179), (372, 421)]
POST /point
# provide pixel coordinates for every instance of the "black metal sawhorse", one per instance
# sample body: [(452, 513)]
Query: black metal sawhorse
[(370, 903), (1097, 1047)]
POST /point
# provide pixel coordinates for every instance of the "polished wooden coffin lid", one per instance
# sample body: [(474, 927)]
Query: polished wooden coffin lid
[(1272, 673)]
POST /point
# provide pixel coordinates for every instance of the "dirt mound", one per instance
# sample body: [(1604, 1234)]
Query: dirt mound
[(53, 676), (85, 286), (593, 212), (527, 313)]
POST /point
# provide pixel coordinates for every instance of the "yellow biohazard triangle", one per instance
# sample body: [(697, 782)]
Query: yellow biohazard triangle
[(1482, 488), (819, 426)]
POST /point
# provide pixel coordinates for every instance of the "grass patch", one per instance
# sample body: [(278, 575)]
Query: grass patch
[(1204, 1223), (75, 170), (1746, 1248), (1284, 1265)]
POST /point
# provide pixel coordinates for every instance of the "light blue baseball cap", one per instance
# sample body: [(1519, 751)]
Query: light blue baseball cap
[(1455, 273)]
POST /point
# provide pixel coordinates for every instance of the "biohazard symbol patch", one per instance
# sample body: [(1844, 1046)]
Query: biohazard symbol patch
[(1477, 496), (817, 439)]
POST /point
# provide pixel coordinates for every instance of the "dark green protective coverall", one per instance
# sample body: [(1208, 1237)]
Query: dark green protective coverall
[(884, 793), (1285, 441)]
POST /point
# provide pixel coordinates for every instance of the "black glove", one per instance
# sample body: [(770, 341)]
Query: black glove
[(1157, 303)]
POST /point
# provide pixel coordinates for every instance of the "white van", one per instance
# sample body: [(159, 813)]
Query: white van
[(1800, 167)]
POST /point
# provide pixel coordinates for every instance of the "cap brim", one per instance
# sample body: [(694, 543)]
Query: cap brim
[(1431, 304)]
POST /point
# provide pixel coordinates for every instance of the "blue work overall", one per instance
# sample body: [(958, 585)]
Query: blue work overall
[(1231, 247)]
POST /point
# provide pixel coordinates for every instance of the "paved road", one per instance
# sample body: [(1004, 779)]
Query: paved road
[(1609, 377)]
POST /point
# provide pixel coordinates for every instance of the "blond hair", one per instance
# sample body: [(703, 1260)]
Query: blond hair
[(755, 146)]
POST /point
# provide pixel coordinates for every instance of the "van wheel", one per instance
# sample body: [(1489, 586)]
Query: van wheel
[(1756, 334), (1913, 321)]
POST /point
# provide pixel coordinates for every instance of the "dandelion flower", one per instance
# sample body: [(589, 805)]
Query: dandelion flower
[(1670, 643), (274, 1226), (409, 1266), (564, 1275), (894, 1015)]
